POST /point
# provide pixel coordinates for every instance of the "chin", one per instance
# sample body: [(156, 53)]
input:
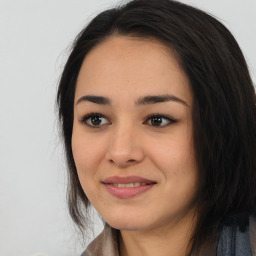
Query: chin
[(130, 224), (127, 226)]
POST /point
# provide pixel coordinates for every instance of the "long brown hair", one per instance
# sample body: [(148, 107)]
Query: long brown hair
[(224, 114)]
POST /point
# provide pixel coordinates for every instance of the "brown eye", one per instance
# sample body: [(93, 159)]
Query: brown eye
[(95, 120), (159, 121), (156, 121)]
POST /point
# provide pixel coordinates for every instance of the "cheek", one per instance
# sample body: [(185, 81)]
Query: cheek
[(87, 153), (177, 151), (87, 150), (86, 157), (176, 160)]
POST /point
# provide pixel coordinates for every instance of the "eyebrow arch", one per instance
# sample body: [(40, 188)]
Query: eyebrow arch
[(158, 99), (151, 99), (95, 99)]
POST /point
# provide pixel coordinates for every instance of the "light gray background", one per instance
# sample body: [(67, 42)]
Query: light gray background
[(34, 36)]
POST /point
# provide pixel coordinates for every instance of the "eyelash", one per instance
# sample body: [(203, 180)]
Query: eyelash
[(84, 120), (165, 117)]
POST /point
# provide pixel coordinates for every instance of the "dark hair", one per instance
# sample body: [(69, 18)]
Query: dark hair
[(224, 113)]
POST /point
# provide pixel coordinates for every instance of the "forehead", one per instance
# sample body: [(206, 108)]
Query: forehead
[(123, 65)]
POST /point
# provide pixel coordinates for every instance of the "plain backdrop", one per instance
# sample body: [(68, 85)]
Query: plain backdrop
[(34, 40)]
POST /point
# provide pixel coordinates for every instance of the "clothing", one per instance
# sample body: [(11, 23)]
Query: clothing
[(232, 242), (105, 244)]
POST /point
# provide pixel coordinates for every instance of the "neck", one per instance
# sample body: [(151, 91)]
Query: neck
[(169, 240)]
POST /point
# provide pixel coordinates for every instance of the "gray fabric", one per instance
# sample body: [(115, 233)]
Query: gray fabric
[(233, 242), (252, 233)]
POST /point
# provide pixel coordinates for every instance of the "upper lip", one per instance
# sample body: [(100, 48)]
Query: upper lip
[(126, 180)]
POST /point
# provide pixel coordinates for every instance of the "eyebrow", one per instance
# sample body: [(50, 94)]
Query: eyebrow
[(95, 99), (151, 99), (158, 99)]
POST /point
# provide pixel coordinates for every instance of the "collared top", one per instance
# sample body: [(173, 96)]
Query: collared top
[(232, 242)]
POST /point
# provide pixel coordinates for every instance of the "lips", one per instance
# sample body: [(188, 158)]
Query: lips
[(126, 180), (127, 187)]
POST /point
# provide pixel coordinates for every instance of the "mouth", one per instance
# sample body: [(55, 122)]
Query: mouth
[(127, 187)]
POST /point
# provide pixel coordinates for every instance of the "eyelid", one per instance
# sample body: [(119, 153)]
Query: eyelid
[(85, 118), (166, 117)]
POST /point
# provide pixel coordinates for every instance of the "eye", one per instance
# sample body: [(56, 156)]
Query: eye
[(159, 120), (94, 120)]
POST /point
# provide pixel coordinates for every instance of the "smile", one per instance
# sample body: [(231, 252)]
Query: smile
[(127, 187)]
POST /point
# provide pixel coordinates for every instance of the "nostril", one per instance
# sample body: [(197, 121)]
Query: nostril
[(131, 161)]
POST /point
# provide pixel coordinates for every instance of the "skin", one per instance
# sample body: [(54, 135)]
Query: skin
[(161, 220)]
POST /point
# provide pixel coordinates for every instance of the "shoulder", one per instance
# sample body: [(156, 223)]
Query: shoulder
[(105, 244)]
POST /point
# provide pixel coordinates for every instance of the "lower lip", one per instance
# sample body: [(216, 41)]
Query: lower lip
[(125, 193)]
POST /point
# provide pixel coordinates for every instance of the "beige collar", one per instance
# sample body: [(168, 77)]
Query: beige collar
[(106, 244)]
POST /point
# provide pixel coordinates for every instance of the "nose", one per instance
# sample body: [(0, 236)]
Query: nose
[(125, 147)]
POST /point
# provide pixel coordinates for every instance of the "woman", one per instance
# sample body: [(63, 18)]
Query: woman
[(157, 109)]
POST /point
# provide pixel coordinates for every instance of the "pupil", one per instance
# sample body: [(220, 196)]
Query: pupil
[(156, 121), (96, 120)]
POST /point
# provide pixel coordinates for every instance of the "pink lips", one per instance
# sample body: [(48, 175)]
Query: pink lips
[(122, 192)]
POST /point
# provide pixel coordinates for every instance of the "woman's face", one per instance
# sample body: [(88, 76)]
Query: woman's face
[(132, 136)]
